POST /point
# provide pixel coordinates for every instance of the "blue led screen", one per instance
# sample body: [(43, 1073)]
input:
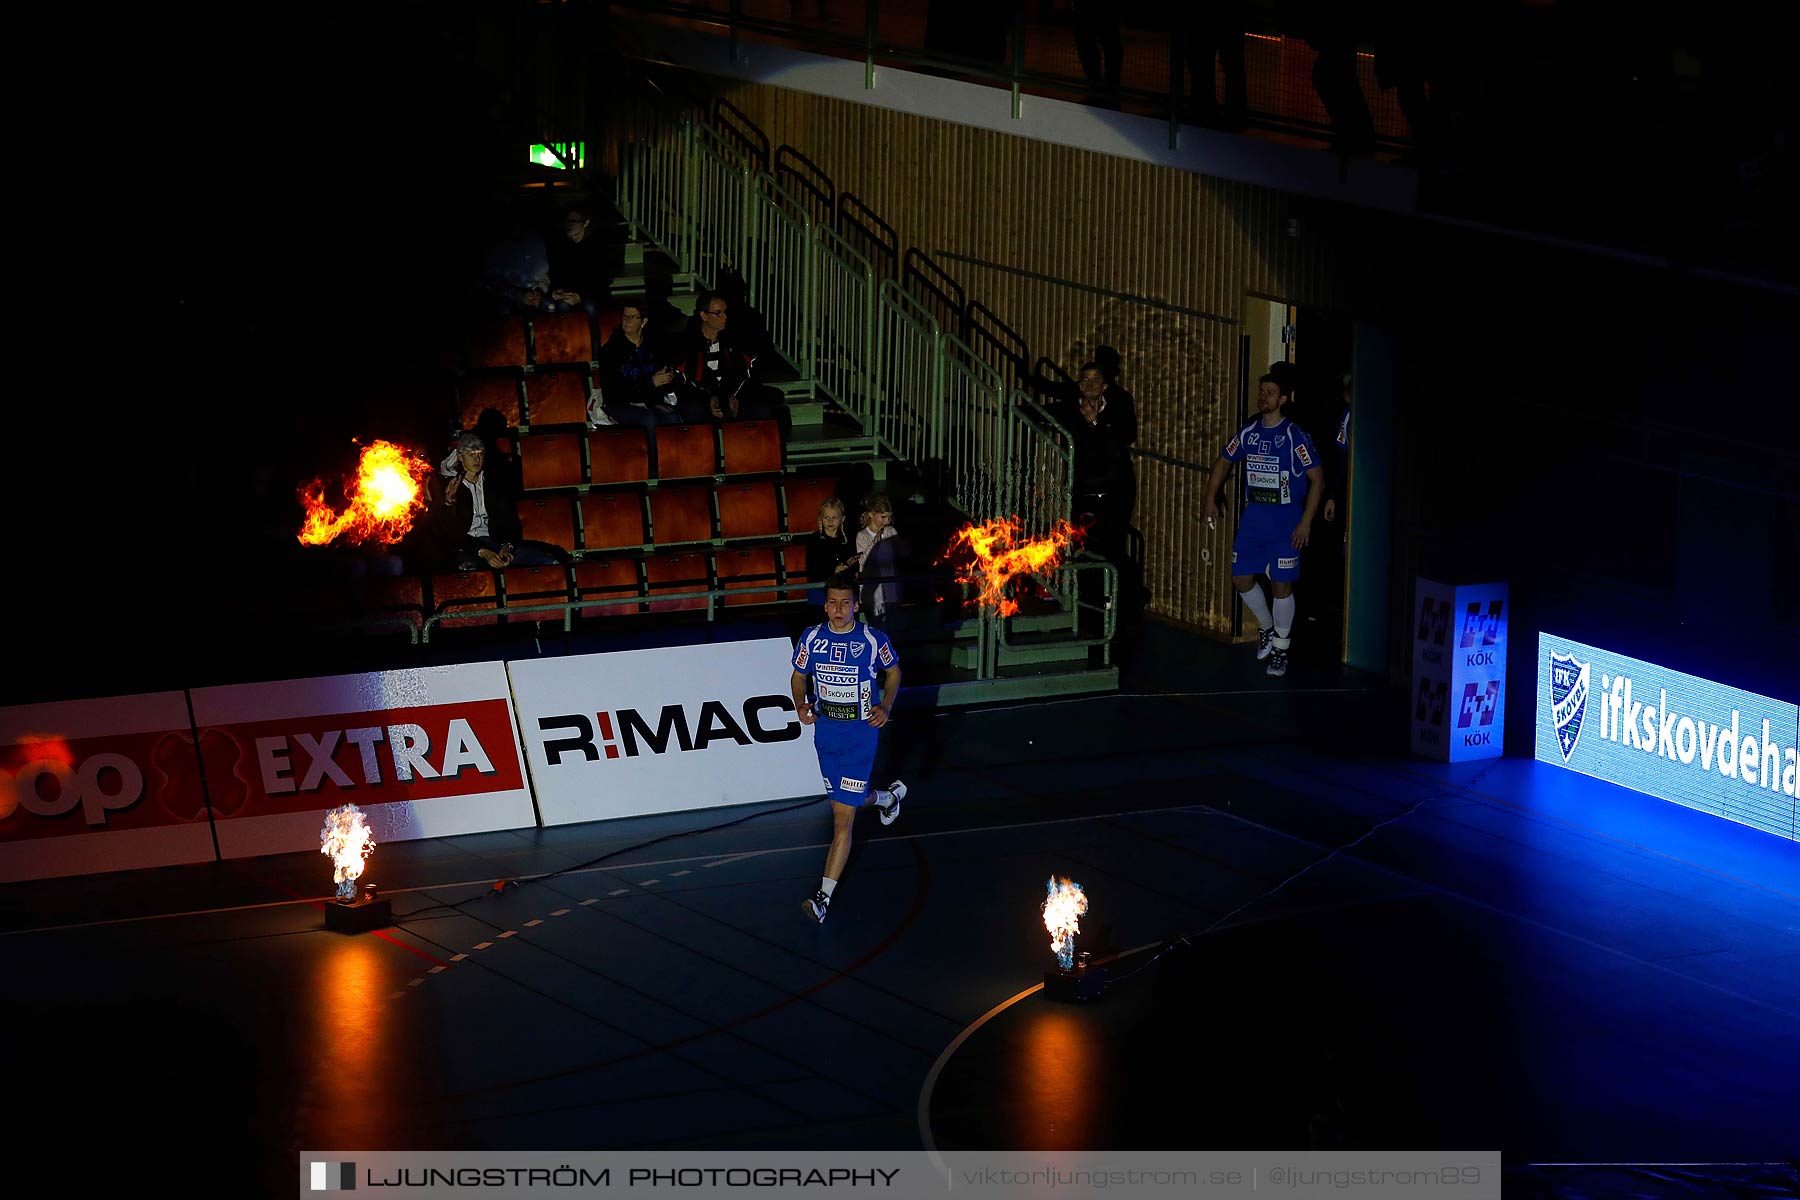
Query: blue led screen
[(1718, 749)]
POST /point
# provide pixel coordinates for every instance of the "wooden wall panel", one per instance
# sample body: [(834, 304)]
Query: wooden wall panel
[(1087, 249)]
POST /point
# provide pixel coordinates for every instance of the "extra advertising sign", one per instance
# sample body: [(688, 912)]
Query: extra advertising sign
[(425, 753), (100, 785), (648, 731), (1731, 753)]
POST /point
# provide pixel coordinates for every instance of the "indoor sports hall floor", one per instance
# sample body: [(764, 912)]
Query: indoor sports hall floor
[(1505, 956)]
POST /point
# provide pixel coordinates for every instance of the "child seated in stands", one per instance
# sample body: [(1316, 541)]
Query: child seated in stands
[(876, 557), (829, 552)]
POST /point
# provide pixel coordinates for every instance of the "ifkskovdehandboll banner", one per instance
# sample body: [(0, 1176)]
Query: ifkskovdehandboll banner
[(1718, 749), (649, 731)]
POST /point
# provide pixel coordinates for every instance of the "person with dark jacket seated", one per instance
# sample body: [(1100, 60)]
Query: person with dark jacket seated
[(636, 388), (714, 374), (829, 552), (480, 513), (582, 263)]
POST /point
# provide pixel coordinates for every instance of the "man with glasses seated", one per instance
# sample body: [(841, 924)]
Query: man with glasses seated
[(715, 380)]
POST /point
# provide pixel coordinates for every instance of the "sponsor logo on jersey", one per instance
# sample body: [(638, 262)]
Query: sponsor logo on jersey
[(1303, 454)]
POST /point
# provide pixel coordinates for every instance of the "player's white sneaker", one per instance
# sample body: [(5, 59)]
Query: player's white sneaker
[(815, 906), (891, 812), (1265, 641), (1278, 663)]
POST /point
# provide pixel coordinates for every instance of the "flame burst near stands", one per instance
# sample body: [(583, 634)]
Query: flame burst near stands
[(381, 502), (1002, 554)]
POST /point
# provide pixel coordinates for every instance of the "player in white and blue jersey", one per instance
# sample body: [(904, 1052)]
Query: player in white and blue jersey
[(837, 666), (1284, 482)]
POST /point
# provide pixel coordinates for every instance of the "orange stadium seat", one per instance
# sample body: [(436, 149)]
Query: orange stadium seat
[(685, 452), (455, 591), (548, 519), (606, 579), (803, 499), (477, 393), (676, 573), (495, 342), (535, 585), (751, 447), (612, 520), (556, 398), (619, 454), (561, 338), (551, 459), (793, 569), (747, 510), (605, 321), (749, 572), (681, 513), (395, 596)]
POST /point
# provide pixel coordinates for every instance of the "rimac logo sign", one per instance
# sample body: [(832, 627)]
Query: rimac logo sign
[(672, 726), (1719, 749)]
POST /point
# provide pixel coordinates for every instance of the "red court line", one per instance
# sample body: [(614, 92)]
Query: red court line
[(380, 933)]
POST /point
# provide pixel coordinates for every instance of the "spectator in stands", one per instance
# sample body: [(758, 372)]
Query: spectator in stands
[(1206, 30), (517, 278), (481, 515), (1115, 416), (1100, 375), (496, 436), (1097, 38), (829, 552), (636, 387), (582, 265), (878, 557), (714, 376), (1330, 28), (1102, 497)]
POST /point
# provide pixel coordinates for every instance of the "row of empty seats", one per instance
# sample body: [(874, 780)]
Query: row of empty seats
[(758, 575), (544, 339), (675, 514), (625, 454)]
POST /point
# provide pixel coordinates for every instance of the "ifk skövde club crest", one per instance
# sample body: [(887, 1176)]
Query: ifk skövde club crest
[(1568, 699)]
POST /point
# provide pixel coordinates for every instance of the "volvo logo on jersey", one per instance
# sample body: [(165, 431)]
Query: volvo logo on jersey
[(1721, 750), (647, 731)]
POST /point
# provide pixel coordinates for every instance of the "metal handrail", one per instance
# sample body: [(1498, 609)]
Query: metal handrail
[(567, 607)]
